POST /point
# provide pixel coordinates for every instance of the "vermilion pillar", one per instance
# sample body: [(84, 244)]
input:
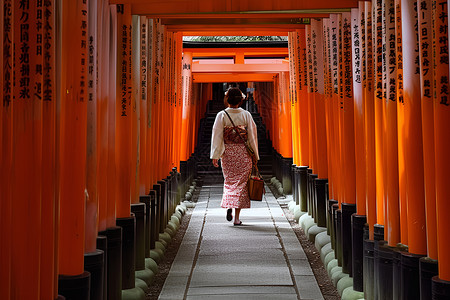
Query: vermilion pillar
[(153, 100), (413, 132), (358, 101), (112, 100), (26, 173), (392, 232), (123, 114), (302, 97), (293, 95), (326, 31), (319, 98), (369, 121), (380, 129), (400, 125), (186, 108), (144, 63), (49, 205), (102, 112), (348, 131), (178, 92), (149, 91), (284, 120), (91, 220), (72, 140), (6, 150), (442, 139), (135, 63), (427, 92), (310, 93), (333, 116)]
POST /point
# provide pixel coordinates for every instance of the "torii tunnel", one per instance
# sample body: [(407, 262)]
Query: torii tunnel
[(102, 108)]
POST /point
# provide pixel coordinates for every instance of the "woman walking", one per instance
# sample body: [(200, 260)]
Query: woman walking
[(228, 145)]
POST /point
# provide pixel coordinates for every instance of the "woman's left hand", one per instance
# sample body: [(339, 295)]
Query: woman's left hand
[(215, 163)]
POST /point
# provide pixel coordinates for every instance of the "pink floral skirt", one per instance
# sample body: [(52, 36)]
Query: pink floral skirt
[(236, 167)]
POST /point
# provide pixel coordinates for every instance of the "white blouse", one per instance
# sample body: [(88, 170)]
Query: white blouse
[(240, 117)]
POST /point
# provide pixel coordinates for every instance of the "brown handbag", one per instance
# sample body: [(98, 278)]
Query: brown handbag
[(255, 183)]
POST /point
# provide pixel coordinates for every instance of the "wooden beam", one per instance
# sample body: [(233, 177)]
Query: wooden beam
[(236, 29), (230, 77), (231, 52), (236, 15), (159, 7), (241, 20), (254, 32), (240, 68)]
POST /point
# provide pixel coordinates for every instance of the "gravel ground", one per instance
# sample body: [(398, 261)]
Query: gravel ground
[(169, 256)]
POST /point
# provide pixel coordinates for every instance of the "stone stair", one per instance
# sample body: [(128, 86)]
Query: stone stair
[(203, 147)]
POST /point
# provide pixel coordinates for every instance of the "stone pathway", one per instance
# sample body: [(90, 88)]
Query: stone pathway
[(262, 259)]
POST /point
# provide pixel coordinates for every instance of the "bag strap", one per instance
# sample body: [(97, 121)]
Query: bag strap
[(235, 130), (254, 166)]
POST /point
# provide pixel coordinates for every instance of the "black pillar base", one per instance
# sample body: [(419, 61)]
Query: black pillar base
[(334, 209), (286, 179), (303, 187), (348, 209), (428, 269), (397, 270), (153, 221), (321, 202), (338, 231), (102, 243), (440, 289), (330, 218), (295, 185), (358, 251), (128, 251), (74, 287), (368, 269), (94, 264), (183, 177), (163, 205), (138, 209), (410, 276), (378, 234), (146, 200), (385, 271), (311, 195), (113, 262)]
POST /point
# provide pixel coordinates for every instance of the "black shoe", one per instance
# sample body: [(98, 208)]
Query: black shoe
[(238, 224), (229, 215)]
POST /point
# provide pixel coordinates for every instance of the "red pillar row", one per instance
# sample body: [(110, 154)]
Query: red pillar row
[(384, 123), (82, 134)]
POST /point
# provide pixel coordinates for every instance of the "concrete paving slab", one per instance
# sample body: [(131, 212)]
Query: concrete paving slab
[(296, 254), (181, 268), (244, 296), (248, 275), (241, 262), (174, 288), (244, 257), (300, 267), (308, 287), (247, 290)]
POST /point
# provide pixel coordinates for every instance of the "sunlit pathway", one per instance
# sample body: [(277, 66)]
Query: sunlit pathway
[(262, 259)]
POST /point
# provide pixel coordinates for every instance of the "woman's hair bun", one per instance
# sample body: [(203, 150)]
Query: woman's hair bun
[(234, 96)]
